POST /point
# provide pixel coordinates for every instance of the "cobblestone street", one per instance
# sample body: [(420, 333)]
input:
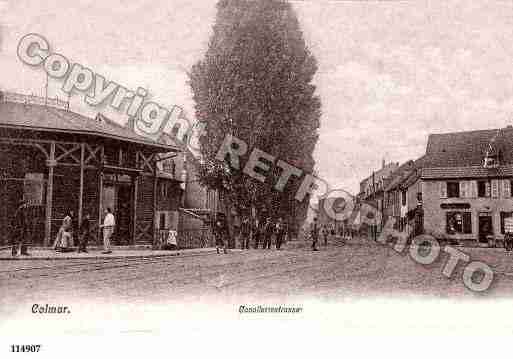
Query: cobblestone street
[(355, 270)]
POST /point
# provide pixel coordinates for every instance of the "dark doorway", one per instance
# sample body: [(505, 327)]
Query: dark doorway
[(117, 195), (124, 211), (419, 224), (485, 227)]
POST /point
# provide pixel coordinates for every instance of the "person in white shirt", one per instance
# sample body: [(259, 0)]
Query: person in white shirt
[(108, 228), (508, 236)]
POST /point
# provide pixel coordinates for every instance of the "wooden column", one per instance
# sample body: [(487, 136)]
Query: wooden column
[(100, 193), (81, 190), (100, 204), (51, 163), (135, 181), (154, 206)]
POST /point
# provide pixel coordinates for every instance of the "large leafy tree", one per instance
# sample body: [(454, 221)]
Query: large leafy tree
[(255, 82)]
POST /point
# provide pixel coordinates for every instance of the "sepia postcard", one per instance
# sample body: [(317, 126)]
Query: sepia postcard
[(293, 178)]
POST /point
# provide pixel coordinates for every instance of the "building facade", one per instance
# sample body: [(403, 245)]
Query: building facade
[(460, 190), (59, 161)]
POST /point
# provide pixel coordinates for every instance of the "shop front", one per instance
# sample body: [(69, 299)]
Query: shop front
[(62, 163)]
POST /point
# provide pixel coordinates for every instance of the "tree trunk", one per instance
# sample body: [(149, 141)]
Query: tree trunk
[(229, 219)]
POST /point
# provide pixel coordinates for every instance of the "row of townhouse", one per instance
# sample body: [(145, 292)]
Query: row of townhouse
[(460, 190)]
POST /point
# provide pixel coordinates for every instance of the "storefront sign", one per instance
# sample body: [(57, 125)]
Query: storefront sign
[(455, 206), (33, 189)]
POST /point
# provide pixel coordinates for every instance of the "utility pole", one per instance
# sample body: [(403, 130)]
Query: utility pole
[(46, 90)]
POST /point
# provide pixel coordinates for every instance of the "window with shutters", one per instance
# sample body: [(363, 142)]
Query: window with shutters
[(164, 190), (495, 188), (506, 188), (162, 221), (483, 188), (505, 215), (453, 189), (463, 189), (443, 189)]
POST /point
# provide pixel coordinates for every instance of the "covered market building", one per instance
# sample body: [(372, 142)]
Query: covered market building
[(60, 161)]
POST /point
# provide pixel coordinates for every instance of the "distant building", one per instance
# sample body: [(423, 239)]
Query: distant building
[(372, 192), (337, 212), (198, 205), (403, 198)]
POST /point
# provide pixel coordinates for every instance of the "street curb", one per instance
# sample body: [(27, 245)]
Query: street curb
[(107, 256)]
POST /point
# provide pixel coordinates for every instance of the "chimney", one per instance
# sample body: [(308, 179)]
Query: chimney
[(383, 163)]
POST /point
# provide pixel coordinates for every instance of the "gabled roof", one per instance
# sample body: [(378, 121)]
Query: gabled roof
[(460, 149), (411, 179), (401, 174), (43, 118)]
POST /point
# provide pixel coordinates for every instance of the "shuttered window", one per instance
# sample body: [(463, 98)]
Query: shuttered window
[(506, 188), (443, 189), (467, 222), (453, 189), (463, 189), (495, 188), (504, 215), (473, 189)]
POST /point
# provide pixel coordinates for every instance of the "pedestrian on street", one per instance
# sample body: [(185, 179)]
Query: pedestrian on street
[(219, 233), (259, 232), (269, 230), (325, 233), (245, 233), (20, 230), (108, 225), (85, 231), (314, 232), (508, 234), (63, 240), (280, 233), (171, 241)]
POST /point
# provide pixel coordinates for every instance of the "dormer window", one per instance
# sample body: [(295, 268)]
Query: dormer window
[(491, 161), (492, 155)]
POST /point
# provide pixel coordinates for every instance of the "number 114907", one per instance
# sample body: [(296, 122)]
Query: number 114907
[(29, 348)]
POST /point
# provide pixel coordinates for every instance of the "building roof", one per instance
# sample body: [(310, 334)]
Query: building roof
[(384, 172), (410, 179), (37, 117), (461, 149), (466, 172), (400, 175)]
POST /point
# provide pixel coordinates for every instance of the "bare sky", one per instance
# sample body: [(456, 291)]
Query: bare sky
[(390, 72)]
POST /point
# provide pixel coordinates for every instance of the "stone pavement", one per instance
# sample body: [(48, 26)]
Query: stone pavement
[(39, 253)]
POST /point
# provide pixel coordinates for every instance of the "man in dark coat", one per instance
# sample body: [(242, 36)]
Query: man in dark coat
[(259, 231), (314, 231), (20, 230), (85, 230), (245, 233), (280, 233), (269, 230), (220, 231)]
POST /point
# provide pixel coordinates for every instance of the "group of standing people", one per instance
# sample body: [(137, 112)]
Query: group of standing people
[(64, 240), (317, 230), (251, 229), (68, 232)]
